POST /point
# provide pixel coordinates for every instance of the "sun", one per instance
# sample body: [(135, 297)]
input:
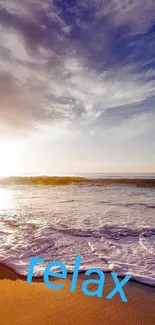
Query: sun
[(9, 158)]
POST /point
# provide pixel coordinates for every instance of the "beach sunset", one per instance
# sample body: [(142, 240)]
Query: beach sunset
[(77, 162)]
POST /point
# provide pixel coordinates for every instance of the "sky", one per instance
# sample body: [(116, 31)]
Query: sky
[(77, 86)]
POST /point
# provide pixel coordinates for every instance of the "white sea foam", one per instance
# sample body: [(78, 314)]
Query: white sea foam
[(112, 227)]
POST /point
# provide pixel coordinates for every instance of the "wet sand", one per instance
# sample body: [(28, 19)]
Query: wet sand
[(36, 304)]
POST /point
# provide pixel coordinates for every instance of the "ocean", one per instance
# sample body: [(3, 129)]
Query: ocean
[(111, 224)]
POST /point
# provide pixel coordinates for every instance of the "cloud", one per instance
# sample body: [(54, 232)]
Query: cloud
[(55, 63), (25, 8), (138, 15)]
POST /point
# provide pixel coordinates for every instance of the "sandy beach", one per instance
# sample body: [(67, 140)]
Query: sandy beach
[(36, 304)]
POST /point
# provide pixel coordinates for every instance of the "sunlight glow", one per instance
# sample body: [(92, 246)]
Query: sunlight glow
[(9, 157)]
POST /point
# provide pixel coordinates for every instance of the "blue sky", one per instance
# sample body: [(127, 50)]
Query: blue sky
[(77, 85)]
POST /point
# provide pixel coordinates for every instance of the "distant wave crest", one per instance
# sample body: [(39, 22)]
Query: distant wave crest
[(68, 180)]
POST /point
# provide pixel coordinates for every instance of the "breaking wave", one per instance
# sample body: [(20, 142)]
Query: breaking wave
[(112, 227), (69, 180)]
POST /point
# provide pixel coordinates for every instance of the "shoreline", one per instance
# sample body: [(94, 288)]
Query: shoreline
[(81, 273), (36, 304)]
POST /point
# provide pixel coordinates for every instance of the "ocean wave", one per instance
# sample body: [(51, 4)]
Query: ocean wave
[(68, 180), (123, 250), (57, 223), (111, 232), (135, 205)]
